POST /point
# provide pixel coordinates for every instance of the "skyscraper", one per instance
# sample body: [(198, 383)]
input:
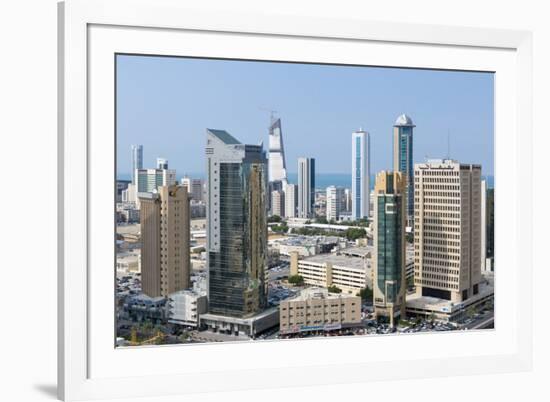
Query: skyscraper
[(165, 237), (237, 225), (162, 163), (278, 203), (389, 244), (483, 249), (277, 163), (194, 187), (306, 187), (291, 200), (447, 240), (137, 161), (360, 174), (348, 195), (335, 196), (403, 159), (151, 179)]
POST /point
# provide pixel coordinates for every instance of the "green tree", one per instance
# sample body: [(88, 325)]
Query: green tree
[(334, 289), (355, 233), (365, 294), (274, 219), (321, 219), (282, 228), (296, 280)]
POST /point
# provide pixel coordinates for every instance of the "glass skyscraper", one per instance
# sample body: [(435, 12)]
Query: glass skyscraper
[(403, 159), (389, 244), (137, 161), (237, 225), (306, 187), (360, 174)]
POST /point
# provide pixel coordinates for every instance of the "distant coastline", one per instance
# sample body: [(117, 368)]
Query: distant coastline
[(322, 180)]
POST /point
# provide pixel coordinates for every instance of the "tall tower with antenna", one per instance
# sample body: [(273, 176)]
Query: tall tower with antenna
[(403, 159)]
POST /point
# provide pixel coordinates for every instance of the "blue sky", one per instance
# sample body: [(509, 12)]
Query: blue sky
[(166, 103)]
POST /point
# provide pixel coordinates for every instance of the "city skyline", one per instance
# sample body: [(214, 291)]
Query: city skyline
[(216, 243), (154, 110)]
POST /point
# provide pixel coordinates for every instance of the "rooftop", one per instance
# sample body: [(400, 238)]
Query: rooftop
[(318, 293), (339, 260), (404, 121), (223, 136)]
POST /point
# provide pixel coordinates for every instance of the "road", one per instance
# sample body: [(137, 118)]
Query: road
[(482, 322), (275, 275)]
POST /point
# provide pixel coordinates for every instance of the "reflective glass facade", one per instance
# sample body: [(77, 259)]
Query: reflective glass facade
[(237, 254)]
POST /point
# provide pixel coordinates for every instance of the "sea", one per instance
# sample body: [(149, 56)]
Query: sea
[(322, 180)]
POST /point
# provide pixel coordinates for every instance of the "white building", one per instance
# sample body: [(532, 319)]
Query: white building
[(306, 187), (277, 164), (351, 274), (194, 187), (347, 200), (137, 160), (291, 200), (186, 306), (129, 195), (149, 180), (360, 174), (278, 203), (335, 195)]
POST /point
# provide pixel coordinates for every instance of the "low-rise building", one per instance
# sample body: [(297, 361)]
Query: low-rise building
[(307, 245), (237, 326), (128, 262), (144, 308), (185, 308), (350, 274), (315, 309)]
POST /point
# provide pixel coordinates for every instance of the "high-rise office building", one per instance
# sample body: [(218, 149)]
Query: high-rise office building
[(490, 231), (348, 195), (237, 225), (194, 187), (483, 249), (277, 163), (137, 160), (360, 174), (162, 163), (278, 203), (291, 200), (403, 159), (447, 228), (149, 180), (306, 187), (389, 245), (335, 195), (165, 237)]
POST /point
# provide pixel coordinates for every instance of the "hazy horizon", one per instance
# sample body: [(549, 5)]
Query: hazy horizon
[(166, 104)]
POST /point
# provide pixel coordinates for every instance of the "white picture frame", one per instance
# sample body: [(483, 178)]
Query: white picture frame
[(91, 32)]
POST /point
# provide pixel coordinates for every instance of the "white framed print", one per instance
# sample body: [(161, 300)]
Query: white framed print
[(252, 201)]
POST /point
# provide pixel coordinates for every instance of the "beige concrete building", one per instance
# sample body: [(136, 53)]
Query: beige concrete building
[(165, 234), (315, 309), (350, 274), (388, 263), (447, 229)]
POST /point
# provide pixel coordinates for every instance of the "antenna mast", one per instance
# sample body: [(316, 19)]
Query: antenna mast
[(271, 113), (448, 143)]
